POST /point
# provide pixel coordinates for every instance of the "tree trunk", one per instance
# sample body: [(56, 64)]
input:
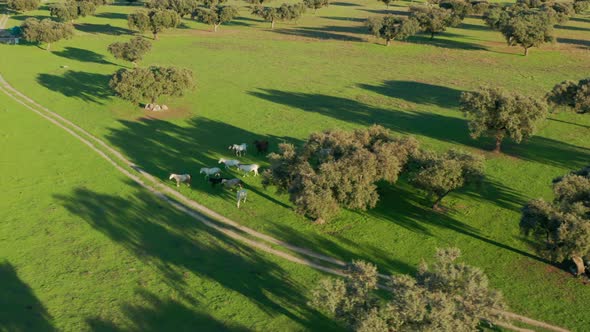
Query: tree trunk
[(387, 42), (431, 35), (436, 204), (499, 138), (49, 46), (155, 36), (272, 24), (580, 269), (526, 51), (215, 26)]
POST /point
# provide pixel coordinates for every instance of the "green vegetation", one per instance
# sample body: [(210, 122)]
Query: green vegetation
[(325, 72), (132, 51), (216, 16), (22, 5), (571, 94), (448, 296), (154, 20), (562, 228), (392, 27), (499, 114), (46, 31)]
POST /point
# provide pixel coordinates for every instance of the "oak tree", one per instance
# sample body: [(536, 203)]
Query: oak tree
[(155, 20), (132, 51), (392, 27), (46, 31)]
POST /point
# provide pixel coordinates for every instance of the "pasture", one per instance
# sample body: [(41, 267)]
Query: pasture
[(90, 251)]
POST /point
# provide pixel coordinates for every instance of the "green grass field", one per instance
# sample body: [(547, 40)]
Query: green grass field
[(77, 223)]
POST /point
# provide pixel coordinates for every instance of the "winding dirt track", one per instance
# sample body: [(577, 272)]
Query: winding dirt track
[(207, 216)]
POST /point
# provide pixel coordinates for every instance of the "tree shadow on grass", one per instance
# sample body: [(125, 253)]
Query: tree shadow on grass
[(90, 87), (473, 27), (417, 92), (344, 18), (583, 44), (386, 12), (573, 28), (401, 205), (329, 32), (20, 309), (82, 55), (106, 29), (161, 147), (177, 245), (112, 16), (438, 126), (163, 315), (444, 42), (344, 4), (23, 17)]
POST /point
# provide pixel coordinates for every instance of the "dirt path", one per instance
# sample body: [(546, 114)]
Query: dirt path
[(203, 214), (3, 20)]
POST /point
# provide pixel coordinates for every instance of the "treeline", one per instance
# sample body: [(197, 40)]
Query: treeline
[(527, 23)]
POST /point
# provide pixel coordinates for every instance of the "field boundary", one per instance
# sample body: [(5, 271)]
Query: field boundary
[(207, 216)]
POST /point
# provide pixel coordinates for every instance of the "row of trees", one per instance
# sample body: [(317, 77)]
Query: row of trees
[(46, 31), (446, 296), (20, 6), (336, 169), (575, 95), (561, 228)]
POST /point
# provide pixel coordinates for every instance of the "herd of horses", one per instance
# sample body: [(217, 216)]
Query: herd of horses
[(213, 174)]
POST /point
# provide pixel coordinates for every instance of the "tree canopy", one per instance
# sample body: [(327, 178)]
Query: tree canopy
[(316, 4), (338, 169), (286, 12), (391, 27), (432, 20), (562, 228), (132, 51), (46, 31), (441, 173), (148, 84), (22, 5), (155, 20), (498, 113), (521, 25), (215, 16), (71, 10), (444, 296), (181, 7), (571, 94)]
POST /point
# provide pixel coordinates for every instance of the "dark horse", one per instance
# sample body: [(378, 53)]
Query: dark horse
[(261, 146)]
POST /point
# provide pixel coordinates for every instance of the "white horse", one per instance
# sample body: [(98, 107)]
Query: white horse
[(241, 196), (229, 162), (230, 183), (181, 178), (249, 168), (210, 171), (239, 148)]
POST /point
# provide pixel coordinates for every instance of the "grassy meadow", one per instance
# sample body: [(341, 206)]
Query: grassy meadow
[(89, 250)]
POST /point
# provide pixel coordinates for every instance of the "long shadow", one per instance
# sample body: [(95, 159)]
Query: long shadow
[(82, 55), (113, 16), (584, 44), (569, 123), (444, 42), (23, 17), (161, 147), (400, 205), (163, 315), (176, 244), (386, 12), (90, 87), (580, 19), (344, 4), (417, 92), (573, 28), (344, 18), (474, 27), (323, 33), (434, 125), (20, 309), (106, 29)]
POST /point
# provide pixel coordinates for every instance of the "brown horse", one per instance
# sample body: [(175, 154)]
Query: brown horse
[(261, 146)]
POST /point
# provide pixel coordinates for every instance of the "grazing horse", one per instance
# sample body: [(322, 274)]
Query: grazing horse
[(241, 196), (229, 162), (261, 146), (239, 149), (227, 183), (181, 178), (249, 168), (215, 181), (210, 171)]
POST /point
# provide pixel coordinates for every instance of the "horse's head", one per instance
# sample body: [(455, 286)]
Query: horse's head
[(221, 161), (171, 176)]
